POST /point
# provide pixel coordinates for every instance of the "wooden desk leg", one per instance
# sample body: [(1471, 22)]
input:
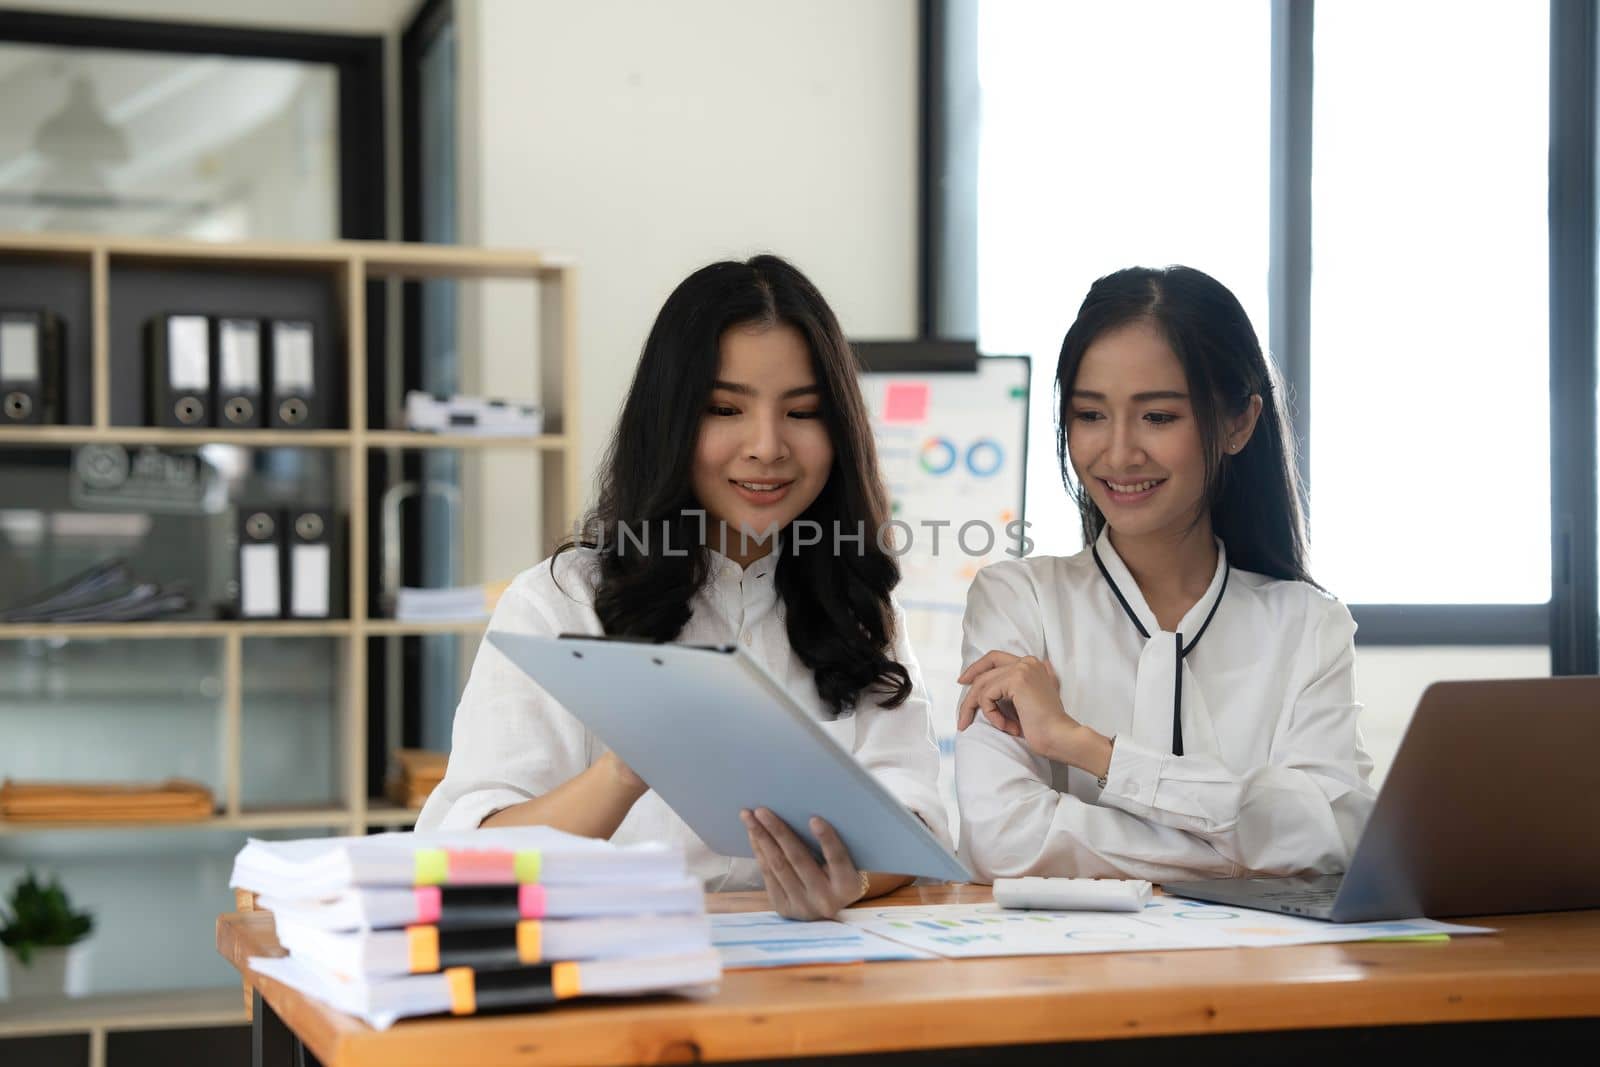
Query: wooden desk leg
[(244, 900)]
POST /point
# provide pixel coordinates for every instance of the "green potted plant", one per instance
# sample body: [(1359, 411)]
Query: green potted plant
[(44, 940)]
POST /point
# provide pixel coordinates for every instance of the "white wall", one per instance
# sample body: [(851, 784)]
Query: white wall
[(647, 139), (1389, 681)]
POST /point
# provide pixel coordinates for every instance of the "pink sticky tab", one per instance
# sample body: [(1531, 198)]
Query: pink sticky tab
[(482, 867), (530, 901), (905, 402), (429, 902)]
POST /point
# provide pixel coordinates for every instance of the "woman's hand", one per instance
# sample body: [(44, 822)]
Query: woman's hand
[(1020, 695), (798, 886)]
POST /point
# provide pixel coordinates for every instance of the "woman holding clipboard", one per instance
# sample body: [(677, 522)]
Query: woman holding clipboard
[(744, 419)]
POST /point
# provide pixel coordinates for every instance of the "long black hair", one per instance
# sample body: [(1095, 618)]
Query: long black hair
[(836, 603), (1253, 495)]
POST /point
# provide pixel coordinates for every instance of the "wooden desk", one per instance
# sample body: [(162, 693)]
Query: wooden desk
[(1538, 967)]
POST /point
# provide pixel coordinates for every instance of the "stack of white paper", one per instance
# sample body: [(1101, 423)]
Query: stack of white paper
[(404, 924), (438, 605)]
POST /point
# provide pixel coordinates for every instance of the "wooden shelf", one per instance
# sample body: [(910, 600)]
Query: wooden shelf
[(391, 815), (151, 631), (382, 258), (175, 1009), (284, 819), (202, 628), (550, 442), (407, 628), (64, 436), (35, 436), (340, 272)]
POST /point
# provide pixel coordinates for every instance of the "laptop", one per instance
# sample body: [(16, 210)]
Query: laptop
[(1492, 806)]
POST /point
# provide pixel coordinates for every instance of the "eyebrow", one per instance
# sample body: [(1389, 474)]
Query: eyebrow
[(1155, 394), (750, 390)]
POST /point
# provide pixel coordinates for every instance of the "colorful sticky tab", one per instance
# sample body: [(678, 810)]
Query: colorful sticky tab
[(481, 866), (528, 865), (564, 980), (431, 866), (906, 402), (531, 901), (430, 902), (463, 992), (422, 949), (530, 941)]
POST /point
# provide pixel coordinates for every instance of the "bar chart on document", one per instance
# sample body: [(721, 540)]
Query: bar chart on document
[(952, 446)]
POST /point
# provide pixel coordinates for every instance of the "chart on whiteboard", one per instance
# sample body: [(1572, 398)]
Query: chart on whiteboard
[(953, 449)]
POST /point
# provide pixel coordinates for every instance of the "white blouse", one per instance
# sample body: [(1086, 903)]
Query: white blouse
[(1273, 778), (512, 742)]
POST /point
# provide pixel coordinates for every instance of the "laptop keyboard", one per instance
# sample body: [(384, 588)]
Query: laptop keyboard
[(1312, 897)]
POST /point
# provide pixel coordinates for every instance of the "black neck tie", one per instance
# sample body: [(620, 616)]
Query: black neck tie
[(1183, 649)]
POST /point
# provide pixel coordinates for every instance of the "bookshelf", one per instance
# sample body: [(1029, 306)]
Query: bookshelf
[(101, 265)]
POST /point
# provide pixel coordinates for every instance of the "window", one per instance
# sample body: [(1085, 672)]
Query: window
[(1112, 135), (1385, 185), (1430, 420)]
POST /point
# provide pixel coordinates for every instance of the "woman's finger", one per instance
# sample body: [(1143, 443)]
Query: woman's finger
[(782, 887), (842, 873), (988, 661), (972, 701), (798, 853)]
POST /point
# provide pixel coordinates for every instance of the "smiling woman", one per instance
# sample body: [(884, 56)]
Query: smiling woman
[(1101, 737), (740, 503)]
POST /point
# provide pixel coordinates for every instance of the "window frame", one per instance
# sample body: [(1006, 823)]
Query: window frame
[(1567, 624), (358, 59)]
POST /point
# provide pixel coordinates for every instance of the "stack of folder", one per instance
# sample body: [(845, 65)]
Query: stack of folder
[(105, 592), (416, 773), (174, 800), (404, 924)]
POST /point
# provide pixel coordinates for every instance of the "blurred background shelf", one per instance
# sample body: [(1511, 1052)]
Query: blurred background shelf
[(201, 628), (175, 1009)]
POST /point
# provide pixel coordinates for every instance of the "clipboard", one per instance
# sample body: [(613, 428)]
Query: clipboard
[(713, 732)]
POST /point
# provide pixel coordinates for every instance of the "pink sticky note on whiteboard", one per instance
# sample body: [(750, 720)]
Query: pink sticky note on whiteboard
[(905, 402)]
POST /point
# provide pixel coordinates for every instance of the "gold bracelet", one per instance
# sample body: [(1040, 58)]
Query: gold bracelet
[(866, 884)]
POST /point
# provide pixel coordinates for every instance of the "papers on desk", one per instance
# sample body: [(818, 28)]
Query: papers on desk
[(319, 867), (765, 939), (401, 924), (1165, 924), (467, 991)]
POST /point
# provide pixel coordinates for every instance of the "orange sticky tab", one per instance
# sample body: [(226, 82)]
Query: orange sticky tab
[(422, 949), (564, 981), (463, 996), (530, 941)]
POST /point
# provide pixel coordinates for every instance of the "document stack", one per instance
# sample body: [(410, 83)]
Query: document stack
[(451, 604), (404, 924)]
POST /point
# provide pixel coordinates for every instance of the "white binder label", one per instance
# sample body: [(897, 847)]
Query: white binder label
[(188, 359), (240, 365), (258, 581), (309, 565), (291, 360), (19, 351)]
